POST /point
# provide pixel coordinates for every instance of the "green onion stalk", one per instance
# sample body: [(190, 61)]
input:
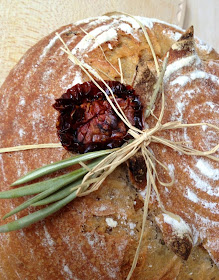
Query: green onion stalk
[(55, 193)]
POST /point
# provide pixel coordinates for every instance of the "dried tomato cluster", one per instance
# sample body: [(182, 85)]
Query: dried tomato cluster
[(87, 121)]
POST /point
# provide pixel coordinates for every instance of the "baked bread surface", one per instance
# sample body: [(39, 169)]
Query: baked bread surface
[(82, 241)]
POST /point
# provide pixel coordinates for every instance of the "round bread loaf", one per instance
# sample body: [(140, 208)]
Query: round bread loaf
[(95, 237)]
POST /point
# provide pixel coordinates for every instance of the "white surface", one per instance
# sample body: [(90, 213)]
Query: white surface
[(203, 15)]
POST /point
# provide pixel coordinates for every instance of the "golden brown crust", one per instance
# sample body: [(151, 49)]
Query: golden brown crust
[(77, 242)]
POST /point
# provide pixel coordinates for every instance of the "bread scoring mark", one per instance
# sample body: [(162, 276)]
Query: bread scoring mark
[(213, 206), (106, 36), (201, 184), (108, 32), (191, 196), (45, 51), (128, 29), (21, 168), (212, 136), (203, 75), (91, 20), (47, 241), (205, 224), (171, 169), (148, 22), (181, 81), (180, 63), (182, 100), (208, 170), (67, 271), (96, 20), (47, 74), (101, 34), (77, 80), (125, 18), (178, 114), (3, 171), (51, 44), (197, 74)]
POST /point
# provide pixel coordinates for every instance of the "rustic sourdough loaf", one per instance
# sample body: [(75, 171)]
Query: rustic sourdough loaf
[(95, 237)]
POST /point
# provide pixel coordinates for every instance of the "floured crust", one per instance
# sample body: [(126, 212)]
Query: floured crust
[(78, 242)]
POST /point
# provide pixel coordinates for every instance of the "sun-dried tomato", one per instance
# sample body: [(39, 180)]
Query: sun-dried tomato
[(87, 121)]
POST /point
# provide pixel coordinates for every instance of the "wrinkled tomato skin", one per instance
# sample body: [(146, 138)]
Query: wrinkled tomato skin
[(87, 121)]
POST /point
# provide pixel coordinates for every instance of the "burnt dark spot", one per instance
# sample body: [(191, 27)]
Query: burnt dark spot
[(181, 247), (69, 33), (162, 242), (83, 228), (108, 230), (137, 171)]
